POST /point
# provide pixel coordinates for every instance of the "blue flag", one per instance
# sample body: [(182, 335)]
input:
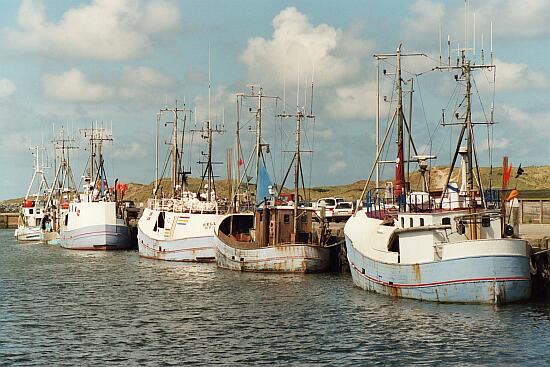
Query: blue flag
[(262, 186)]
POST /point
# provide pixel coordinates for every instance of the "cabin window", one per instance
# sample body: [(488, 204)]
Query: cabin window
[(37, 211), (402, 222), (160, 220), (411, 222), (66, 220), (286, 218), (304, 219), (421, 222), (446, 221), (30, 211)]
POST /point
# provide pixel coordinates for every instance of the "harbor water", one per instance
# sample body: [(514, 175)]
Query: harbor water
[(63, 307)]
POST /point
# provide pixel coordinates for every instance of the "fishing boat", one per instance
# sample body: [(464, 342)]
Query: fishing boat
[(31, 212), (62, 191), (278, 235), (179, 226), (450, 248), (94, 219)]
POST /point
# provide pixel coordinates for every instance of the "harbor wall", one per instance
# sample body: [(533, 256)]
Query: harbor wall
[(8, 220)]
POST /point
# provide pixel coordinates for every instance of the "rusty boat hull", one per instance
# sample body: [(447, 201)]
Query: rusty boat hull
[(280, 258)]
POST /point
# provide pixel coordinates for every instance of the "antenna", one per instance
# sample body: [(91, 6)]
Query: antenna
[(312, 75), (440, 44), (491, 55), (475, 37), (284, 88), (449, 49), (466, 25), (482, 52), (298, 89), (209, 83)]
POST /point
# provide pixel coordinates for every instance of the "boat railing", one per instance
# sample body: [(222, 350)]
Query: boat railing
[(387, 206), (186, 205)]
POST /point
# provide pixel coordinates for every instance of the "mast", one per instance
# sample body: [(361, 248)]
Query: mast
[(466, 69), (297, 163), (400, 183), (297, 169), (174, 151), (96, 137), (208, 173), (399, 187), (257, 152), (179, 175), (38, 171), (64, 174), (470, 137), (258, 134)]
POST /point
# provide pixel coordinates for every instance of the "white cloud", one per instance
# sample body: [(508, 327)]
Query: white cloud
[(426, 16), (512, 20), (221, 101), (74, 86), (337, 167), (527, 120), (103, 29), (136, 83), (143, 82), (355, 101), (130, 150), (325, 134), (516, 76), (14, 142), (7, 87), (298, 47)]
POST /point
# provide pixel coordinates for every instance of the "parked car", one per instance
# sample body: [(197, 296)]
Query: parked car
[(328, 204), (342, 211)]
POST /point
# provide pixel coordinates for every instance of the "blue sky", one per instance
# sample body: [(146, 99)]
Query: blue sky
[(72, 62)]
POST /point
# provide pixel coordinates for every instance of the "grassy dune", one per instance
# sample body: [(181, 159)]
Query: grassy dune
[(534, 183)]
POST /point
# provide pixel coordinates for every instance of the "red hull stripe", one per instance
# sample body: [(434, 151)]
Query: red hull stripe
[(279, 258), (178, 250), (454, 281)]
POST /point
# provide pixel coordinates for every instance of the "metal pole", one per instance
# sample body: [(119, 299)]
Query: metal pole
[(377, 120), (297, 164)]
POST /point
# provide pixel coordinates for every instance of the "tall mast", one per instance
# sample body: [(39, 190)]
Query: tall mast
[(256, 155), (399, 187), (470, 135), (174, 151), (297, 169), (400, 183), (258, 135)]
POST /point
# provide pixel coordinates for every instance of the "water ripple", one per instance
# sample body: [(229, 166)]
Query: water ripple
[(66, 308)]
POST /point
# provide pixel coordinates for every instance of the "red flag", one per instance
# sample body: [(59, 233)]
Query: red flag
[(506, 175), (241, 162)]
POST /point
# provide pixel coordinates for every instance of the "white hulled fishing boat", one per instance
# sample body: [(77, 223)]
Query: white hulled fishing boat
[(180, 227), (276, 236), (31, 212), (62, 191), (94, 220), (451, 248)]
